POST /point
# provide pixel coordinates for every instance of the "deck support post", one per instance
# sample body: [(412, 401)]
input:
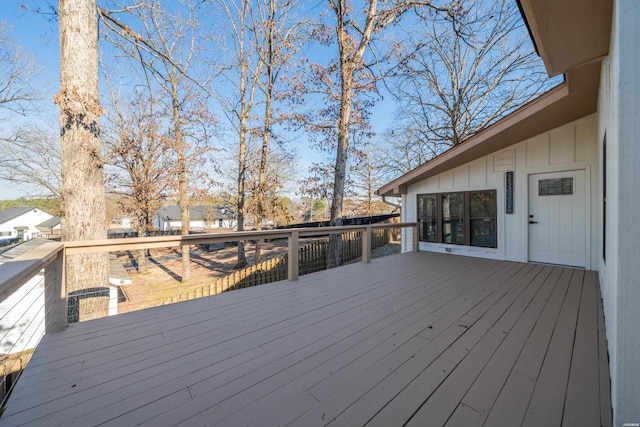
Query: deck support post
[(292, 262), (55, 303), (414, 238), (366, 244)]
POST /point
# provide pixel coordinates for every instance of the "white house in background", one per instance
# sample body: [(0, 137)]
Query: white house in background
[(202, 217), (50, 227), (22, 223), (557, 181)]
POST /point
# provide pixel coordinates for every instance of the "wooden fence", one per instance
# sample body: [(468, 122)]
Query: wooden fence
[(312, 257), (271, 270)]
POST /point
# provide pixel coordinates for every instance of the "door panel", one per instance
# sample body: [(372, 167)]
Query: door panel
[(558, 218)]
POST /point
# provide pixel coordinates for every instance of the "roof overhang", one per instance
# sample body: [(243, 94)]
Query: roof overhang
[(575, 47), (568, 33), (575, 98)]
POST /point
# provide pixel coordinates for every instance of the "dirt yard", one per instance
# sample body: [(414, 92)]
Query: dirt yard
[(161, 278)]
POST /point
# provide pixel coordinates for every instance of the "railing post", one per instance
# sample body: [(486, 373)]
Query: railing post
[(292, 273), (414, 238), (55, 303), (366, 244)]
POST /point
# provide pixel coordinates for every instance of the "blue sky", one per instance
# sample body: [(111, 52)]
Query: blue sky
[(37, 35)]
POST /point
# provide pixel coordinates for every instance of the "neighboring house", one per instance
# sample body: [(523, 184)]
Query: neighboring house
[(122, 223), (202, 218), (22, 223), (558, 180), (50, 227)]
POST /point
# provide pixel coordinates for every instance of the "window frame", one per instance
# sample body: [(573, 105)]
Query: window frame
[(435, 217), (466, 218)]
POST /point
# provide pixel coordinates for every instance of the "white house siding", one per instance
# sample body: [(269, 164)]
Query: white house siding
[(194, 225), (619, 119), (569, 147), (177, 224), (28, 219)]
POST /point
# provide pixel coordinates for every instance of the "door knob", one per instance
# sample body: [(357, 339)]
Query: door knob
[(533, 222)]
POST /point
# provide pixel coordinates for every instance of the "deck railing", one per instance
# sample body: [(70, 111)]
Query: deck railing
[(51, 257), (45, 265)]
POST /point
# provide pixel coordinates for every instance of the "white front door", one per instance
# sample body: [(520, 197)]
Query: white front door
[(558, 218)]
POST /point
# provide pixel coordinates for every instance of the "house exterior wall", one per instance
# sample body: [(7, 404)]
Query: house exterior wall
[(569, 147), (618, 114), (194, 225), (29, 219)]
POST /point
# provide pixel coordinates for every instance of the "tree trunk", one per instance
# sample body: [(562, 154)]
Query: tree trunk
[(340, 171), (245, 107), (242, 159), (83, 195), (183, 183), (266, 129), (142, 257), (370, 189)]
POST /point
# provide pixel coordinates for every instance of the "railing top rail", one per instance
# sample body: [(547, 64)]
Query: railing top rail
[(16, 272), (108, 245)]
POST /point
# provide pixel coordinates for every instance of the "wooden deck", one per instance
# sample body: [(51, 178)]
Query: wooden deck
[(417, 339)]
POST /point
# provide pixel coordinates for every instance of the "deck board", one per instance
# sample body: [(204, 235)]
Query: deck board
[(418, 338), (606, 410), (489, 383), (583, 394), (512, 401), (484, 338), (547, 401)]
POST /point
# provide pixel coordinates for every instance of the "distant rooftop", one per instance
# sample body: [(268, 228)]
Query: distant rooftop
[(11, 213), (50, 223)]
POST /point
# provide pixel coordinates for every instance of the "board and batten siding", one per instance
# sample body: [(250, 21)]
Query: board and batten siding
[(570, 147), (618, 108)]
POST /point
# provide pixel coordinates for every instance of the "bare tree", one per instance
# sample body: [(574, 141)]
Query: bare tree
[(266, 202), (367, 177), (165, 46), (83, 195), (138, 149), (356, 28), (31, 160), (456, 77), (19, 93), (18, 90), (277, 41), (242, 74)]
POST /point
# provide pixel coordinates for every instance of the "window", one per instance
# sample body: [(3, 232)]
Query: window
[(555, 187), (427, 217), (460, 218), (453, 218), (482, 218)]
